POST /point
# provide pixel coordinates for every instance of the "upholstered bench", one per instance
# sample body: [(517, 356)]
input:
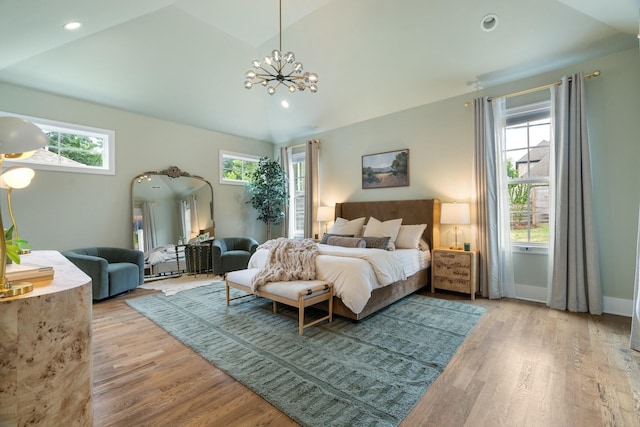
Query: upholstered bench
[(298, 293)]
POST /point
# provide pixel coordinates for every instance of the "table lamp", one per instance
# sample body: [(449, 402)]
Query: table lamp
[(15, 177), (455, 214), (18, 138), (325, 214)]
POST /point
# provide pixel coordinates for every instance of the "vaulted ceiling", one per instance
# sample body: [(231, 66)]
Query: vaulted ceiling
[(185, 60)]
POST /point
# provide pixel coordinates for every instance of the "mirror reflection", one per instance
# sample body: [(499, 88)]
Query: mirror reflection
[(170, 209)]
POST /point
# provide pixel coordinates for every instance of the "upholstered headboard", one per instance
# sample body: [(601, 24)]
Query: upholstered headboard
[(423, 211)]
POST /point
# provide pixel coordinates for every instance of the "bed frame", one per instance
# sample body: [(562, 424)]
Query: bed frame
[(423, 211)]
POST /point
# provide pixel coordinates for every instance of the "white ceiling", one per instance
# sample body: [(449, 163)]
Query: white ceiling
[(184, 60)]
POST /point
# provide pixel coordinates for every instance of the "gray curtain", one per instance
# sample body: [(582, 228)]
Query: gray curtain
[(285, 162), (635, 319), (492, 206), (195, 222), (574, 268), (148, 226), (312, 163)]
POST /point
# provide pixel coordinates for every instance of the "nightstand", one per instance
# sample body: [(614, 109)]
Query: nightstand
[(455, 271)]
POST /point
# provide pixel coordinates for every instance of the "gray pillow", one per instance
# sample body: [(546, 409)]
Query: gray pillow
[(327, 235), (347, 242), (377, 242)]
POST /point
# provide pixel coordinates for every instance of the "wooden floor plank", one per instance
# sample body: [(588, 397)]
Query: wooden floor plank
[(522, 365)]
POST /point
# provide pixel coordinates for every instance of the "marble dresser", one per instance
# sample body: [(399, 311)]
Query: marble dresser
[(45, 349)]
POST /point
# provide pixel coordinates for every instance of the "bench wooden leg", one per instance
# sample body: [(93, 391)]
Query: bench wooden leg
[(300, 315)]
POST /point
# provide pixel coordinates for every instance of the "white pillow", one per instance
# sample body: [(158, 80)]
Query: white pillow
[(343, 226), (409, 236), (390, 228)]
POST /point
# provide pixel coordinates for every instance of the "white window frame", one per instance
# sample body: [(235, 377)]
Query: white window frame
[(108, 155), (532, 110), (237, 156)]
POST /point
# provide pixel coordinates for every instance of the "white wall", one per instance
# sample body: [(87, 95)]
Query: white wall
[(440, 139), (68, 210)]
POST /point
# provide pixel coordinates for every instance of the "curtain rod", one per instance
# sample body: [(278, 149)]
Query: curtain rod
[(596, 73)]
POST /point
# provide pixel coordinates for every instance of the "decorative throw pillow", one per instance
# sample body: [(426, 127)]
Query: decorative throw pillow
[(376, 228), (423, 245), (343, 226), (326, 236), (347, 242), (377, 242), (409, 236)]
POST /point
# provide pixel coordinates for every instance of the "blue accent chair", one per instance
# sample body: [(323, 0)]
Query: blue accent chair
[(232, 253), (112, 270)]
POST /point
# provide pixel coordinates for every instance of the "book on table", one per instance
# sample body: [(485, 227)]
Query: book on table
[(16, 272)]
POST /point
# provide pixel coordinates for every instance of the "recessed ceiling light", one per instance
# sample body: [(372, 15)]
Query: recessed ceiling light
[(489, 22), (73, 25), (285, 103)]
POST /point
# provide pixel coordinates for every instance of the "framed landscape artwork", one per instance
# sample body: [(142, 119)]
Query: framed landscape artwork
[(389, 169)]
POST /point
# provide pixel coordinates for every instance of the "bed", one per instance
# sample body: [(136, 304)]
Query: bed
[(168, 260), (423, 211)]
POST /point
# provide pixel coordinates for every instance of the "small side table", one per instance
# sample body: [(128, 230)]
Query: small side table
[(198, 257), (455, 270)]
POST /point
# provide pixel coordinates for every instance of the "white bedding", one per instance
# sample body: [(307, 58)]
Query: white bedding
[(356, 272), (163, 254)]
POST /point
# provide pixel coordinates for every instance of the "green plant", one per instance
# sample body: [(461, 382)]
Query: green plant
[(268, 193), (14, 246)]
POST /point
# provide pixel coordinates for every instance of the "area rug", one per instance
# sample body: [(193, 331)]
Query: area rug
[(173, 285), (344, 373)]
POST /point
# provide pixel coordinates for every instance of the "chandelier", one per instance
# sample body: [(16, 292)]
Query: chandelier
[(281, 69)]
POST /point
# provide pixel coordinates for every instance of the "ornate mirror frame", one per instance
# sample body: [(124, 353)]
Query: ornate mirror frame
[(173, 172)]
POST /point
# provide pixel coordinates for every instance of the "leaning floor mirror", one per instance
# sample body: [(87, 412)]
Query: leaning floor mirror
[(171, 208)]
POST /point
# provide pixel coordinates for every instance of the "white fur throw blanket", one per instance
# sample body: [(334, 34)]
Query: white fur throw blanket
[(288, 260)]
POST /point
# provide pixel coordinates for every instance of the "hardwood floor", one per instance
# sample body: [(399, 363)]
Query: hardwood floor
[(522, 365)]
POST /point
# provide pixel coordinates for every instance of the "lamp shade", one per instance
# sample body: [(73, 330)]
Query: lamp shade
[(455, 213), (16, 177), (18, 136), (325, 213)]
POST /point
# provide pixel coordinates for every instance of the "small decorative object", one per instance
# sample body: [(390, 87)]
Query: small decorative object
[(389, 169), (455, 214), (268, 193), (467, 247)]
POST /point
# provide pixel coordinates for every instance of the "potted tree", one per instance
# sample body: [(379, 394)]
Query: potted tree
[(268, 194)]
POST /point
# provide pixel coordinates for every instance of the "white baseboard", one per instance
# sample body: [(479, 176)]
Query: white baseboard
[(617, 306)]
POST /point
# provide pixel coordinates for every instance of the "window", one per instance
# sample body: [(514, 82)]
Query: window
[(527, 153), (298, 180), (72, 148), (235, 168)]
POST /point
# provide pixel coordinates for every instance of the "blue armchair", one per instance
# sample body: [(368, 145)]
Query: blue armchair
[(232, 253), (112, 270)]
